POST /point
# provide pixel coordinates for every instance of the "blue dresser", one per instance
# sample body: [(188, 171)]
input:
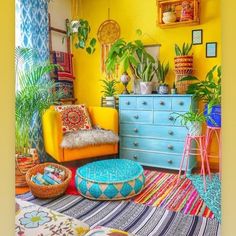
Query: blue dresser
[(148, 131)]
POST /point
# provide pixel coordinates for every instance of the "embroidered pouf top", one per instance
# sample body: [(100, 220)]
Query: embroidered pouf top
[(110, 179)]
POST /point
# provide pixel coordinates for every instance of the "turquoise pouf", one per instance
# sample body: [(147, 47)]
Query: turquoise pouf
[(112, 179)]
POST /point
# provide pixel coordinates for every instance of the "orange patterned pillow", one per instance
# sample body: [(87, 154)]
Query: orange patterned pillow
[(74, 117)]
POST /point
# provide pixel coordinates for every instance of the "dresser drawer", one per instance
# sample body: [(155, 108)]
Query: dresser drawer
[(153, 159), (149, 144), (127, 102), (162, 103), (136, 116), (144, 103), (163, 132), (166, 118), (181, 103)]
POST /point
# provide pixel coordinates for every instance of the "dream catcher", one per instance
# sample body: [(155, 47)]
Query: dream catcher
[(108, 33)]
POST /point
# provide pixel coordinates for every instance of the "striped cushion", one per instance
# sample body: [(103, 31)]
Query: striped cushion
[(110, 179)]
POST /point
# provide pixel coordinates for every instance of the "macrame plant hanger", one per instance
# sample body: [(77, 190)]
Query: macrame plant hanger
[(108, 33)]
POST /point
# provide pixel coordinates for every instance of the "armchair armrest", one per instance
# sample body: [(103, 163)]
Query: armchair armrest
[(105, 117), (52, 133)]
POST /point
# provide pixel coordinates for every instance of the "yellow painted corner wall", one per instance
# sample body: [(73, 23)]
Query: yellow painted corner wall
[(139, 14)]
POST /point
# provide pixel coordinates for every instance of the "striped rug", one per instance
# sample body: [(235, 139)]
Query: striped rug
[(161, 190), (142, 220)]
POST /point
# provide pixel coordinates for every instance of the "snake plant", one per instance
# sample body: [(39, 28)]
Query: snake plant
[(184, 50)]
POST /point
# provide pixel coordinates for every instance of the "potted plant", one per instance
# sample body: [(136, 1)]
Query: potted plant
[(109, 92), (145, 71), (169, 15), (192, 121), (80, 30), (183, 65), (33, 95), (162, 72), (128, 55), (209, 91)]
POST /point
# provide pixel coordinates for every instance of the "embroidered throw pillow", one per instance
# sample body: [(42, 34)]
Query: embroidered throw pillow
[(74, 117)]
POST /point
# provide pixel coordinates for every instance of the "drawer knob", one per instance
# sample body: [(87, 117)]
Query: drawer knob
[(170, 132), (135, 144), (162, 103), (127, 103), (136, 116), (144, 103), (135, 157), (170, 147), (181, 103), (170, 161), (136, 130), (171, 118)]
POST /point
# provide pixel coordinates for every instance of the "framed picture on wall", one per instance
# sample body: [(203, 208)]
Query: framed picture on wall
[(211, 49), (197, 36)]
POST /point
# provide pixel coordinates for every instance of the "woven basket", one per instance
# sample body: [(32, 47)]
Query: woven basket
[(47, 191), (182, 86), (22, 165)]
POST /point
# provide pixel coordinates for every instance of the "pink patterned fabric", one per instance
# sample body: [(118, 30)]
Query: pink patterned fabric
[(74, 117)]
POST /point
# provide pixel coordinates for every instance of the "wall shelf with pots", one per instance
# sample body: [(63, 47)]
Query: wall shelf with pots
[(177, 13)]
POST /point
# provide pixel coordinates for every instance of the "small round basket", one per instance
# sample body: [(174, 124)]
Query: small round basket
[(47, 191)]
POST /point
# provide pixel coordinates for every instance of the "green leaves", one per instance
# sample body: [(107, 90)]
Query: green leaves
[(162, 71), (109, 87), (35, 93), (208, 90), (81, 30), (184, 51)]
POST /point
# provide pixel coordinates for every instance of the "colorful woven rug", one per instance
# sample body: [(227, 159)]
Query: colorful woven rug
[(212, 197), (160, 190), (142, 220)]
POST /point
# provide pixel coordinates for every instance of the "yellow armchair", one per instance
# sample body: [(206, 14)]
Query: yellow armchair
[(103, 117)]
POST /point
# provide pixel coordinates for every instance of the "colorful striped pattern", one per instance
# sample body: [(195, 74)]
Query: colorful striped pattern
[(139, 219), (161, 191)]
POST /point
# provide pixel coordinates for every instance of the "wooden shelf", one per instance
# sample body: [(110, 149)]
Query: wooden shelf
[(177, 5)]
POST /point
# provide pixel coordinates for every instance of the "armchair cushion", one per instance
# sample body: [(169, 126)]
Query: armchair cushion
[(83, 138), (74, 117)]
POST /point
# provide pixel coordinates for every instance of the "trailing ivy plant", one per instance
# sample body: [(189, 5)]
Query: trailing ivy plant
[(79, 31), (184, 50)]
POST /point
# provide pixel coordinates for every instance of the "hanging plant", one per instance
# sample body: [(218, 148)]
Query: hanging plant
[(79, 31)]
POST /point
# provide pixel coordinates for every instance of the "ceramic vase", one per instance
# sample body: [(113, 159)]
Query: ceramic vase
[(194, 128), (163, 89), (146, 87), (169, 17)]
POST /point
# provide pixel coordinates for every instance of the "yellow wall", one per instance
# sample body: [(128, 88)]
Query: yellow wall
[(139, 14)]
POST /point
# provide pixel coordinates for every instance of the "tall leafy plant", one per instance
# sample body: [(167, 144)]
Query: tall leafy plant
[(35, 92), (127, 55), (109, 87)]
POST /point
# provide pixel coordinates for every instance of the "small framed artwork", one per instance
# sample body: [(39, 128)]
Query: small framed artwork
[(197, 36), (211, 49)]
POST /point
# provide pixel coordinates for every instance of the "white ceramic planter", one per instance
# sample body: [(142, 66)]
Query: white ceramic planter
[(169, 17), (146, 87), (110, 101), (194, 128)]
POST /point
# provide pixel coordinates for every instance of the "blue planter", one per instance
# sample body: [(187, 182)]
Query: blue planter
[(215, 115)]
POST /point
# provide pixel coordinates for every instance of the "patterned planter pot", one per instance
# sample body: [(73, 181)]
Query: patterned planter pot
[(194, 128), (214, 119), (183, 62), (163, 89)]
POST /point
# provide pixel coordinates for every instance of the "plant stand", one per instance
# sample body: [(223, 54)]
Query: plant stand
[(210, 132), (188, 150)]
